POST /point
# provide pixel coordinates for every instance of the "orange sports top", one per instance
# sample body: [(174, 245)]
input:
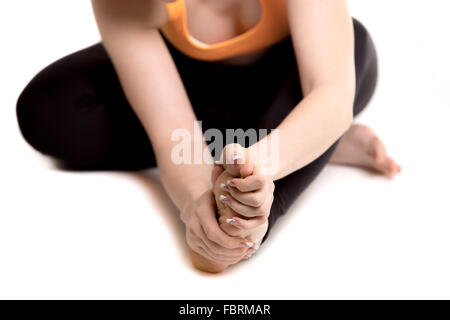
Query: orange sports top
[(272, 28)]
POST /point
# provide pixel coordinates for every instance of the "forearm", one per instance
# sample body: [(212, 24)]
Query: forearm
[(156, 93), (154, 90), (318, 121), (323, 39), (184, 182)]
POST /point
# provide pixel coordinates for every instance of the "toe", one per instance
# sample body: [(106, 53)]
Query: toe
[(377, 150), (391, 168)]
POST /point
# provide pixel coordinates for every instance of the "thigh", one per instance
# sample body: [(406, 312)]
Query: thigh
[(75, 111), (288, 189)]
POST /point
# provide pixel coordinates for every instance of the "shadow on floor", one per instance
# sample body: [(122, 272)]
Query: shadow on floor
[(150, 181)]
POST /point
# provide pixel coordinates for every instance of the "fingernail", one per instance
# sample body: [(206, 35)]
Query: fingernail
[(232, 221), (230, 183), (224, 199), (236, 157), (248, 256), (256, 247), (223, 186), (248, 244)]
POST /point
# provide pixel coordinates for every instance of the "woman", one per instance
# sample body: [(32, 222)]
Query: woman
[(303, 67)]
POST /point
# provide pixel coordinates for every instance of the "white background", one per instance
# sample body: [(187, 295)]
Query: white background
[(350, 235)]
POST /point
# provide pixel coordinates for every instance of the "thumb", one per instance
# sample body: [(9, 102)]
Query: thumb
[(216, 172), (246, 170), (234, 158)]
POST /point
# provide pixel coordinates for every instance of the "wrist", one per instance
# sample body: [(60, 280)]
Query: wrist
[(193, 192), (265, 160), (185, 184)]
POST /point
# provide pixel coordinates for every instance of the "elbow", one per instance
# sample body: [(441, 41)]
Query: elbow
[(349, 108), (347, 95), (346, 98), (346, 118), (340, 100), (343, 124)]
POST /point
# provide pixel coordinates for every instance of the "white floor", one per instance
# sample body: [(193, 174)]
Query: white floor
[(351, 235)]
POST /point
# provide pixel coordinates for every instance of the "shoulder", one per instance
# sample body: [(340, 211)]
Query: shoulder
[(145, 13)]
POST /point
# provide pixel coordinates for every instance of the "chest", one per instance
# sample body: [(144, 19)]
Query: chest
[(214, 23), (235, 31)]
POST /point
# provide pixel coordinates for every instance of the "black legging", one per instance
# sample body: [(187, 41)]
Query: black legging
[(76, 112)]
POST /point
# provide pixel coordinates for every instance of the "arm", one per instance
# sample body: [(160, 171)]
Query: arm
[(153, 87), (155, 91), (322, 34)]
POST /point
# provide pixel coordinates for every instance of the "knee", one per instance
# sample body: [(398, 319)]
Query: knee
[(40, 113), (366, 65), (365, 50), (61, 123), (28, 113)]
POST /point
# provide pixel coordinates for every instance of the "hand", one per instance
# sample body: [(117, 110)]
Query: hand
[(248, 191), (205, 237)]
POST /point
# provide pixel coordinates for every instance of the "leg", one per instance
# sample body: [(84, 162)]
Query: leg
[(289, 188), (76, 112)]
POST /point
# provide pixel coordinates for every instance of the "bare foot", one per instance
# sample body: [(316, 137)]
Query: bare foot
[(361, 147), (204, 264)]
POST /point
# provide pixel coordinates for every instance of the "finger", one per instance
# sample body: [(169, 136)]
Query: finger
[(233, 153), (211, 251), (246, 211), (213, 232), (249, 255), (251, 183), (240, 224), (196, 234), (241, 208), (221, 252), (234, 160), (216, 172), (246, 170), (253, 250), (222, 258), (198, 247), (232, 259), (251, 198), (230, 229)]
